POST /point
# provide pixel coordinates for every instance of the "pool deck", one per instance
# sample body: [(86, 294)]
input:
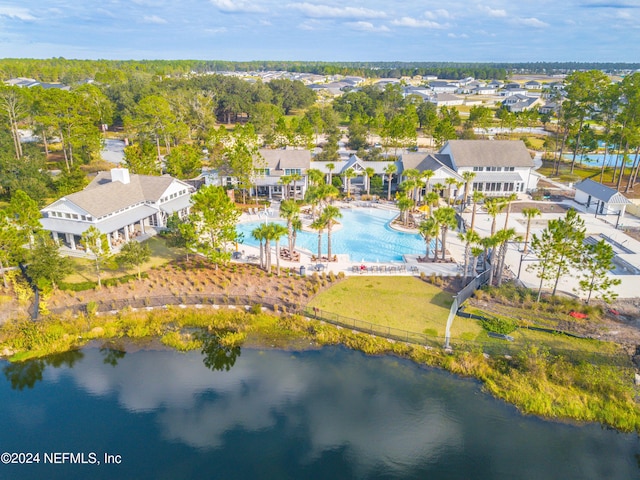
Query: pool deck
[(516, 260), (410, 265)]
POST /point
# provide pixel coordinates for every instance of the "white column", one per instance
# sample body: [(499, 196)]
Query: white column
[(126, 233), (71, 239)]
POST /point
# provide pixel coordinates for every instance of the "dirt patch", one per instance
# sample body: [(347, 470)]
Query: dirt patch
[(200, 277), (544, 207)]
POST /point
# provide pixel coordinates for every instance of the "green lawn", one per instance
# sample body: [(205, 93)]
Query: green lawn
[(84, 269), (406, 303)]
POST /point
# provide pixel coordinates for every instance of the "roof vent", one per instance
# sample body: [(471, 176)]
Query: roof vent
[(120, 175)]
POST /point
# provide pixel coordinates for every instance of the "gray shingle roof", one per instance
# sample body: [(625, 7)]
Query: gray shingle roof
[(488, 153), (280, 159), (426, 161), (602, 192), (102, 196)]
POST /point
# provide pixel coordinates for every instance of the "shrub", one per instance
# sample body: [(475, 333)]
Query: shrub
[(256, 308), (498, 325), (92, 309)]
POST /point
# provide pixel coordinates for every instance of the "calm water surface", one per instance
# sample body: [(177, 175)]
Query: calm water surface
[(326, 414)]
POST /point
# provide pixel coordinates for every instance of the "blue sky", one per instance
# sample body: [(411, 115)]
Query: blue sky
[(328, 30)]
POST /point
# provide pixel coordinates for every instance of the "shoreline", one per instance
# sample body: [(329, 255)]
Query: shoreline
[(176, 328)]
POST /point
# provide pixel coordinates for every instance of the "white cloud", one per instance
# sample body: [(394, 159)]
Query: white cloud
[(237, 6), (16, 13), (453, 35), (496, 13), (531, 22), (367, 27), (415, 23), (153, 19), (440, 13), (215, 31), (326, 11)]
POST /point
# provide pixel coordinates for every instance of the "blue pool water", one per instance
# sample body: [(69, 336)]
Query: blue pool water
[(596, 159), (365, 236)]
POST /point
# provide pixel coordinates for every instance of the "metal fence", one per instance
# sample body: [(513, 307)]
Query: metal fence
[(372, 328), (496, 348), (462, 297), (276, 304)]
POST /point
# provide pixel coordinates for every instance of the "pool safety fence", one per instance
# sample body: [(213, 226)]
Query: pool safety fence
[(493, 347)]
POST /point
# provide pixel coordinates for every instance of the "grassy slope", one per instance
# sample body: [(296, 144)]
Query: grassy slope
[(406, 303)]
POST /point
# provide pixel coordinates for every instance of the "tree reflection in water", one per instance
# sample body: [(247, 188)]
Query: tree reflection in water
[(112, 354), (28, 373), (217, 355)]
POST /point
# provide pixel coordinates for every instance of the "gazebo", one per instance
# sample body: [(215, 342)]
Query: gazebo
[(601, 199)]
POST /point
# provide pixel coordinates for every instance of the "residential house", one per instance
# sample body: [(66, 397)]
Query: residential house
[(533, 85), (502, 167), (549, 107), (359, 166), (279, 163), (520, 103), (30, 83), (512, 89), (446, 100), (486, 90), (119, 204), (443, 86)]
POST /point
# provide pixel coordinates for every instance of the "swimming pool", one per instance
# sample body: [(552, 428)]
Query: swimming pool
[(365, 236)]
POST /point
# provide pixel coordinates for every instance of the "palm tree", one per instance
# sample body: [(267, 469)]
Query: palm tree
[(494, 206), (426, 176), (316, 177), (438, 188), (467, 176), (348, 175), (411, 176), (450, 182), (318, 224), (529, 214), (295, 177), (326, 193), (475, 254), (429, 229), (432, 199), (331, 167), (507, 201), (290, 211), (408, 187), (297, 226), (489, 243), (285, 180), (389, 171), (275, 232), (469, 238), (446, 218), (259, 233), (404, 205), (475, 197), (503, 237), (329, 216), (369, 172)]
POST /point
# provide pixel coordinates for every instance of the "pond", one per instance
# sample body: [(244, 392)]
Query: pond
[(328, 413), (366, 236)]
